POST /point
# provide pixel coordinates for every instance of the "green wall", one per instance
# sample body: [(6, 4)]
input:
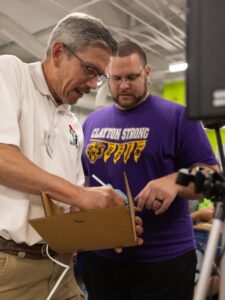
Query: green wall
[(212, 138), (176, 91)]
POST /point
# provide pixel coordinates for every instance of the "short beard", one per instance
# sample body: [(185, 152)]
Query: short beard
[(136, 100)]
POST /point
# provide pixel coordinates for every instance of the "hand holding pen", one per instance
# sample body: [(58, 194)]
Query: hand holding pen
[(104, 184)]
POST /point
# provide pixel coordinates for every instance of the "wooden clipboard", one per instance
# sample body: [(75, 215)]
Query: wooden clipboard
[(87, 230)]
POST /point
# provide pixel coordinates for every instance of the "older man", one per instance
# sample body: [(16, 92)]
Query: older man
[(40, 150)]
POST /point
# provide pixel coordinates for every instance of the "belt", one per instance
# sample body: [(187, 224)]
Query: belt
[(37, 251)]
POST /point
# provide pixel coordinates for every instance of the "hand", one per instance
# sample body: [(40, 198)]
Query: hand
[(158, 194), (99, 197), (139, 231), (206, 214)]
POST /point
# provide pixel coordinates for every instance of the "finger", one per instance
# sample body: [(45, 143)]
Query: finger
[(74, 208), (160, 199), (145, 199), (140, 203), (136, 209), (117, 198), (150, 200), (118, 250), (156, 205), (139, 229), (142, 198), (140, 241), (138, 220), (163, 208), (137, 197)]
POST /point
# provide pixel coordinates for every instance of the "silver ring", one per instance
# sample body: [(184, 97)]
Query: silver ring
[(159, 200)]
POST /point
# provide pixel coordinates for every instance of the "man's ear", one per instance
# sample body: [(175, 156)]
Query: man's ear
[(148, 71), (57, 52)]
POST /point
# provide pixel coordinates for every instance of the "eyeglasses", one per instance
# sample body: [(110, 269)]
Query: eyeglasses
[(128, 78), (90, 71)]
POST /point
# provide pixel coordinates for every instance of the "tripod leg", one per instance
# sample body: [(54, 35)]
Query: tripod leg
[(206, 269), (222, 268)]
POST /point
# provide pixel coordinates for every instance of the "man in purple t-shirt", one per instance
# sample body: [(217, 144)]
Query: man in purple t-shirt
[(150, 139)]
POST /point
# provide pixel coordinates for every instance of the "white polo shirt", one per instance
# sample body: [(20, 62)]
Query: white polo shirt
[(48, 134)]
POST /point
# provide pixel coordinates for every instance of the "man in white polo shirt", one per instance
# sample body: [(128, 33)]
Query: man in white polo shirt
[(40, 150)]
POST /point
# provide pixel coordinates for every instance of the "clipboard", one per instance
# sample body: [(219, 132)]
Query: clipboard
[(87, 230)]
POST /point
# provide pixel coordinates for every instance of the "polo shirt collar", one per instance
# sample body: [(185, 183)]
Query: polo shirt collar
[(38, 77), (39, 80)]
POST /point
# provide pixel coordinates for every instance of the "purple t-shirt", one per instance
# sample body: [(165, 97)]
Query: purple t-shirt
[(147, 142)]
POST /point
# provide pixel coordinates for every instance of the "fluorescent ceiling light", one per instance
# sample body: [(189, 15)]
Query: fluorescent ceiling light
[(178, 67)]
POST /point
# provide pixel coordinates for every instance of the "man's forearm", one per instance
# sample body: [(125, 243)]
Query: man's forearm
[(19, 173)]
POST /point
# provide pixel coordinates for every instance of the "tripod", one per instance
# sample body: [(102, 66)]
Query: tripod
[(209, 255), (214, 235), (212, 185)]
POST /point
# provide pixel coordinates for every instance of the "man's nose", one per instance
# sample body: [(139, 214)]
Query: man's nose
[(124, 83), (92, 83)]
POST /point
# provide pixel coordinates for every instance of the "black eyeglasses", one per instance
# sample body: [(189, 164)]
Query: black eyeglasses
[(128, 78), (90, 71)]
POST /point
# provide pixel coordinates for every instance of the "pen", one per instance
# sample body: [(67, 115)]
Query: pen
[(98, 179), (104, 184)]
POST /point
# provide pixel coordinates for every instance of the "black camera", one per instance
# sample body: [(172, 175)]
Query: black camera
[(206, 59), (208, 182)]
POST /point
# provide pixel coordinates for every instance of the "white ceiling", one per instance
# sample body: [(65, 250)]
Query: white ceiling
[(157, 25)]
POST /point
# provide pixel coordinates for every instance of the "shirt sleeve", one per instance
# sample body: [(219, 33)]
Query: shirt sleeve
[(9, 101)]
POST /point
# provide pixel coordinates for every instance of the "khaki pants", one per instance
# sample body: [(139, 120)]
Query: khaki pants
[(33, 279)]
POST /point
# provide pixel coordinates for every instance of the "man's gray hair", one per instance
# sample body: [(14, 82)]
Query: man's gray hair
[(78, 30)]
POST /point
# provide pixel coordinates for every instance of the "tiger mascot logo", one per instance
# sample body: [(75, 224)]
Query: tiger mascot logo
[(94, 151)]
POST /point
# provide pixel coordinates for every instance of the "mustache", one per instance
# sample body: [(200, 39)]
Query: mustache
[(125, 94), (84, 90)]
